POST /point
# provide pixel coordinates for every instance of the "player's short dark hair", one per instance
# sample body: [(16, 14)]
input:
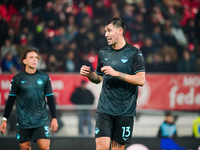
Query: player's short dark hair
[(26, 51), (118, 22), (168, 113)]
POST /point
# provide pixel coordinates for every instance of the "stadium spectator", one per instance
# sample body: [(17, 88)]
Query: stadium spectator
[(28, 21), (3, 30), (157, 37), (10, 64), (187, 62), (13, 37), (52, 63), (14, 23), (8, 47), (147, 47), (70, 64), (190, 31)]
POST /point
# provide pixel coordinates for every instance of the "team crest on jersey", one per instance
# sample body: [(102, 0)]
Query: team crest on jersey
[(39, 81), (124, 59)]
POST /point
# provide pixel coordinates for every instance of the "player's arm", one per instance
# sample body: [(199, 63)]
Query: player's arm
[(7, 111), (92, 76), (137, 79), (52, 108)]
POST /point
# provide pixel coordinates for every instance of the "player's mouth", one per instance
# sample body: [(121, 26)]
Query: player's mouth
[(109, 40)]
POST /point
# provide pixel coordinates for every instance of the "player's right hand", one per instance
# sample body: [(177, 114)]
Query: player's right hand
[(3, 126), (85, 70)]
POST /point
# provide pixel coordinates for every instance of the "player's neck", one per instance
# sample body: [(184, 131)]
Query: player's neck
[(30, 70), (119, 44)]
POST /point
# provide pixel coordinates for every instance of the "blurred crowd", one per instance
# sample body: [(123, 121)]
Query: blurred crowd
[(69, 33)]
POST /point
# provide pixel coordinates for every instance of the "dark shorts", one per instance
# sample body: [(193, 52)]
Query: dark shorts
[(25, 135), (118, 128)]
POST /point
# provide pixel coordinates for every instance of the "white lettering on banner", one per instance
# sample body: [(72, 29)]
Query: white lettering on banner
[(57, 84), (6, 95), (183, 99), (191, 81), (5, 84), (57, 97)]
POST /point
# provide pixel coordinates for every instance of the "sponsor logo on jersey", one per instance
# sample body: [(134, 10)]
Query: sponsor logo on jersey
[(39, 81), (139, 54), (106, 59), (125, 139), (23, 82), (17, 136), (96, 130)]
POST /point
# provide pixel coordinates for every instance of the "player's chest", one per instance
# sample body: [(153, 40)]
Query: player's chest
[(118, 61), (31, 84)]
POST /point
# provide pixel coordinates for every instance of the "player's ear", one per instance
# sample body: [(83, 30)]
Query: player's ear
[(121, 31), (24, 61)]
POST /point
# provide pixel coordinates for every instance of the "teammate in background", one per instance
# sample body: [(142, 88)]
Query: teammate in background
[(29, 89), (121, 68)]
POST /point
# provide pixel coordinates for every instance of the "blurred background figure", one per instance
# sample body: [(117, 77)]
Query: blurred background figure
[(196, 127), (10, 64), (83, 96), (167, 133), (186, 62), (168, 129)]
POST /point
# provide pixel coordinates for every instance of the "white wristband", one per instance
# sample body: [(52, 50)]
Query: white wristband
[(4, 119)]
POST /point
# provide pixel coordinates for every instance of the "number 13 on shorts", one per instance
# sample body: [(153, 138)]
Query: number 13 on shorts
[(126, 132)]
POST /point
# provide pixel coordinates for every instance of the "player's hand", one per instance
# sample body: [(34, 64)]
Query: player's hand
[(3, 126), (85, 71), (108, 70), (54, 125)]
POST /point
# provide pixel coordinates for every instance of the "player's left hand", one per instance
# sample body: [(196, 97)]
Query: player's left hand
[(54, 125), (108, 70)]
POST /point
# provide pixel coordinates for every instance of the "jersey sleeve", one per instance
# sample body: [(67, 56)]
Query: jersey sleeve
[(138, 62), (48, 87), (99, 66), (13, 87)]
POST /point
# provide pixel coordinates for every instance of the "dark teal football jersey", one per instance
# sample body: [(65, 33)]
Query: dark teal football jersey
[(119, 98), (30, 91)]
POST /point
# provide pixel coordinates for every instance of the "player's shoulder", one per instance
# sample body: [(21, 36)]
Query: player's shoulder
[(42, 73), (132, 48), (106, 48), (18, 75)]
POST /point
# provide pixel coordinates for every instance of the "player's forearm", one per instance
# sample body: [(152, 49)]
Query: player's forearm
[(95, 78), (52, 106), (137, 79), (9, 106)]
